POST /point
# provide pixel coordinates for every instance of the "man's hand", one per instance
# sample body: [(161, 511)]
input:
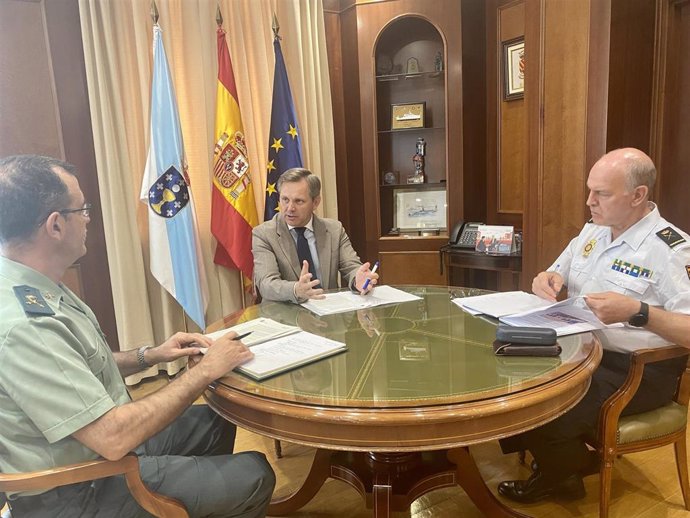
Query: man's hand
[(304, 287), (223, 355), (177, 346), (547, 285), (370, 324), (364, 273), (610, 307)]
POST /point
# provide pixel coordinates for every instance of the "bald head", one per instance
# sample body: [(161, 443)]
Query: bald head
[(619, 186), (637, 167)]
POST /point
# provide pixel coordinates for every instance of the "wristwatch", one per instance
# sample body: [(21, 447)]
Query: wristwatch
[(141, 360), (640, 318)]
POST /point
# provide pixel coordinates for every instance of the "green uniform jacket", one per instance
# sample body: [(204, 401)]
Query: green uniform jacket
[(57, 374)]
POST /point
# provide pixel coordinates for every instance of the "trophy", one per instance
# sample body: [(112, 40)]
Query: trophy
[(418, 161)]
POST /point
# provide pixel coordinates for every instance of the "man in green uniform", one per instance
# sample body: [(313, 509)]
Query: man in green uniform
[(62, 397)]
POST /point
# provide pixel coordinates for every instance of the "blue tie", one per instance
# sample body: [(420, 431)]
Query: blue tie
[(303, 252)]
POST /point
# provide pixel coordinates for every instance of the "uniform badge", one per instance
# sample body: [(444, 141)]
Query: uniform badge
[(687, 270), (631, 269), (589, 247), (32, 301), (669, 236)]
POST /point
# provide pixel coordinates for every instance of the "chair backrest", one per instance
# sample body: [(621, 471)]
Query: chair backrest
[(616, 403)]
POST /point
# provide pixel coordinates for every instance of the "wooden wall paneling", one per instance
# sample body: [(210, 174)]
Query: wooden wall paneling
[(30, 120), (395, 268), (505, 197), (474, 106), (671, 111), (565, 96), (45, 110), (630, 74), (334, 50)]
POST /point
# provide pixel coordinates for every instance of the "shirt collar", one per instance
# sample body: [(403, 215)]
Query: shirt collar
[(636, 234), (309, 225), (18, 274)]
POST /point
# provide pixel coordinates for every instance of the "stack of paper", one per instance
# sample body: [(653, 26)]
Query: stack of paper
[(566, 318), (517, 308), (261, 329), (344, 301), (501, 304), (288, 352)]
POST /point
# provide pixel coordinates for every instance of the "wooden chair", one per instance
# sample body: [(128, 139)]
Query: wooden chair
[(156, 504), (666, 425)]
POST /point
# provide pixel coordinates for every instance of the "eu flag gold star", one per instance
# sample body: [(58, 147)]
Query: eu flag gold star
[(292, 132), (270, 167), (270, 188), (277, 144)]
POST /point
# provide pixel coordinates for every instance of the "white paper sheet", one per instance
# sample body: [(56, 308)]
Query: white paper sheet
[(344, 301), (566, 318), (261, 329), (501, 304), (288, 352)]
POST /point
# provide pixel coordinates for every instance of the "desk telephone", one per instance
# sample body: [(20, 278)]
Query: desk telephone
[(464, 234)]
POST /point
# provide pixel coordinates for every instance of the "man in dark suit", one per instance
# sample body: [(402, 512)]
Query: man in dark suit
[(298, 255)]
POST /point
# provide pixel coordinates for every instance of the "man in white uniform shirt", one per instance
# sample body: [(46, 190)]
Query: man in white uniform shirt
[(632, 266)]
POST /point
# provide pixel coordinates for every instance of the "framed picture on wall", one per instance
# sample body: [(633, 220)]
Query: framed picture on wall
[(514, 69)]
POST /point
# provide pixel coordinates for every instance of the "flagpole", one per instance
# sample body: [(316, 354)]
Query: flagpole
[(275, 26), (154, 12)]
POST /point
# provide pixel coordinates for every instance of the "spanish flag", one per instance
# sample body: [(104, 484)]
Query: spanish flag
[(233, 209)]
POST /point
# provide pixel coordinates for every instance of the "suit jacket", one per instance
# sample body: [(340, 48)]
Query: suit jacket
[(276, 265)]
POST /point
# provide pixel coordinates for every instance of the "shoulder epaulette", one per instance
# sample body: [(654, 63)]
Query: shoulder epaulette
[(32, 301), (670, 236)]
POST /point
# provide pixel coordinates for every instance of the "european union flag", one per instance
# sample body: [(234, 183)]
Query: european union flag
[(284, 146)]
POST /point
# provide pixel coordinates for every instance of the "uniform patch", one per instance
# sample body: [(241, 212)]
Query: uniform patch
[(632, 269), (687, 270), (589, 247), (32, 301), (669, 236)]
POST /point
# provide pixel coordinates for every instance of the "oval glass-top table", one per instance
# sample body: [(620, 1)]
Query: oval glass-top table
[(393, 415)]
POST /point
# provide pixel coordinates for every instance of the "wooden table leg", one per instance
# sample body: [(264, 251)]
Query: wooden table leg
[(381, 493), (319, 472), (472, 482)]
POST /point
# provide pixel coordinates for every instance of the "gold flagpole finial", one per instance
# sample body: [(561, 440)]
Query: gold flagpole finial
[(276, 27), (154, 12), (219, 17)]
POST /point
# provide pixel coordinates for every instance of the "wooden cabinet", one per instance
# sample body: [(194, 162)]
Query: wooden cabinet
[(377, 40)]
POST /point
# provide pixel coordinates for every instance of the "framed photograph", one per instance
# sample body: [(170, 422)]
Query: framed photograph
[(420, 209), (514, 69), (495, 239), (406, 116)]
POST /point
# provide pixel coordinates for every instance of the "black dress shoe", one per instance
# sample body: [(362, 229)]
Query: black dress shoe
[(537, 487)]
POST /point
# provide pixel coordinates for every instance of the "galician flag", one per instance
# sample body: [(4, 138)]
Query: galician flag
[(284, 145), (173, 239), (233, 209)]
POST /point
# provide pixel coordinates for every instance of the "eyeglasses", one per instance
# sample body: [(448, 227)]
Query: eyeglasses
[(85, 210)]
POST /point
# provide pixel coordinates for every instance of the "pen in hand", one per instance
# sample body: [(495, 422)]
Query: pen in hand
[(373, 270), (238, 337)]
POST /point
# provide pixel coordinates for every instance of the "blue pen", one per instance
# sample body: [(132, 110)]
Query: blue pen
[(373, 270)]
